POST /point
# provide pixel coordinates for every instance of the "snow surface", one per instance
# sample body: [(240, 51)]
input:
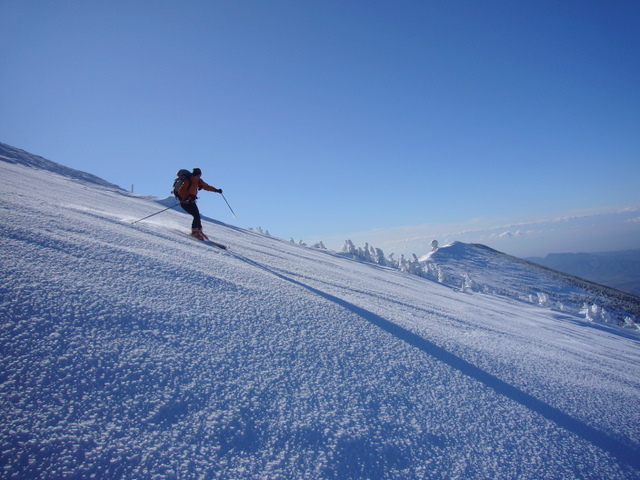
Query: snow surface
[(134, 351)]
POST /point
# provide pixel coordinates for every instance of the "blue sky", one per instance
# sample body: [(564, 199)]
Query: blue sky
[(326, 120)]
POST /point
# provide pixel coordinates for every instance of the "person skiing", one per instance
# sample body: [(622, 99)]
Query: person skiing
[(187, 195)]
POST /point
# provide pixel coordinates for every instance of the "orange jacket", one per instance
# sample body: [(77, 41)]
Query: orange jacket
[(189, 189)]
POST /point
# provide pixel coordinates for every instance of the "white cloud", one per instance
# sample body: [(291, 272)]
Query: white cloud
[(587, 231)]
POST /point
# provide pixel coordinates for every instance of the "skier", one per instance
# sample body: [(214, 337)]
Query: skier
[(187, 194)]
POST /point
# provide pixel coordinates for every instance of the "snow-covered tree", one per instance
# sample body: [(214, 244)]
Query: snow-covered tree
[(543, 300), (377, 255), (349, 247)]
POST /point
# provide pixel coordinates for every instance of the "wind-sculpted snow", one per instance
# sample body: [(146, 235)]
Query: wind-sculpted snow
[(134, 351)]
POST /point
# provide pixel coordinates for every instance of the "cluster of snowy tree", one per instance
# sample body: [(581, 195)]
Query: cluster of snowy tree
[(301, 243), (429, 270), (259, 230), (319, 245), (414, 266), (376, 255)]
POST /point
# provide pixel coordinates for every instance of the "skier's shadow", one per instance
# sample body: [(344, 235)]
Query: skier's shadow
[(624, 453)]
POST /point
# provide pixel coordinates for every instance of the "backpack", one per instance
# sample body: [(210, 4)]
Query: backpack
[(181, 176)]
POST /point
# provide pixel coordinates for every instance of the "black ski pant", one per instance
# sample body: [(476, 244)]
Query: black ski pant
[(192, 209)]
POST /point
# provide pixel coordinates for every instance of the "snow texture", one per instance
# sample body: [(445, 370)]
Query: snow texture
[(134, 351)]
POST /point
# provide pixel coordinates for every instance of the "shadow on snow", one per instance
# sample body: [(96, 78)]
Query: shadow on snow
[(624, 454)]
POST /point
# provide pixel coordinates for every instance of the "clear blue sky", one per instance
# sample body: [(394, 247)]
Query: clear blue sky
[(337, 119)]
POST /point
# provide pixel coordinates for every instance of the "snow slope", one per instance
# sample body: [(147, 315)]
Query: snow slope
[(474, 267), (18, 156), (134, 351)]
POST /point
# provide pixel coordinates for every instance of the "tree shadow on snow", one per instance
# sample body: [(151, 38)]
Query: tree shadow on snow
[(623, 453)]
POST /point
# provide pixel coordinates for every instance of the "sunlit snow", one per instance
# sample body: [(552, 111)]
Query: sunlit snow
[(135, 351)]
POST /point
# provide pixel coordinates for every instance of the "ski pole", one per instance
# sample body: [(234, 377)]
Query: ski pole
[(156, 213), (225, 199)]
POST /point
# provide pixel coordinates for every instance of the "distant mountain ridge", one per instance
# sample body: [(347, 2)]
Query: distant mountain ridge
[(620, 270), (15, 155), (475, 267)]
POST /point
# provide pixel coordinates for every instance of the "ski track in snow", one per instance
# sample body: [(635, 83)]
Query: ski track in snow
[(132, 351)]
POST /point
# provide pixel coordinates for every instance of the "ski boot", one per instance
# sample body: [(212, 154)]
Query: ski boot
[(197, 233)]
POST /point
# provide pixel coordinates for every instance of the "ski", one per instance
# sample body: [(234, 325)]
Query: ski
[(210, 242), (216, 244)]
